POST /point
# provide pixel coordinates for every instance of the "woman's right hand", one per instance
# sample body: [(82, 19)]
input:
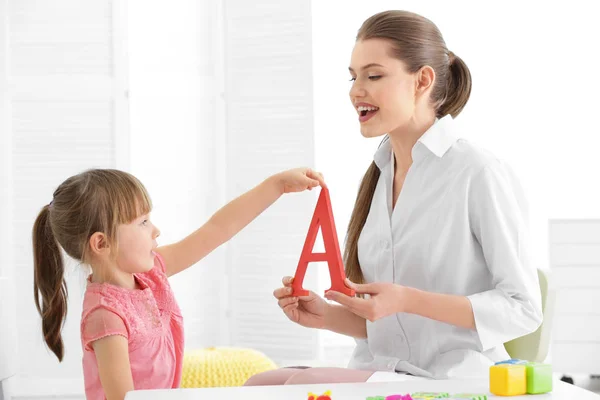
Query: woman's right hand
[(308, 311)]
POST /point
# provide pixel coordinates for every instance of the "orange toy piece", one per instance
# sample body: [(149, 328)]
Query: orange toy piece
[(323, 218)]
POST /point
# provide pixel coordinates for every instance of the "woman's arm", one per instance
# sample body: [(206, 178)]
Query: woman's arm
[(389, 298), (339, 319), (499, 218), (451, 309)]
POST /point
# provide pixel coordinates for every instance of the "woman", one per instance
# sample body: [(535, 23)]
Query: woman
[(437, 242)]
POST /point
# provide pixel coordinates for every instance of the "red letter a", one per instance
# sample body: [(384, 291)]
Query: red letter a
[(323, 217)]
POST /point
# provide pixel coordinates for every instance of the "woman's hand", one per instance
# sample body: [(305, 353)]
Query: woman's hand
[(384, 299), (308, 311)]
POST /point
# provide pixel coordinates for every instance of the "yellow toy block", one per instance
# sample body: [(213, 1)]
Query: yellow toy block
[(508, 380)]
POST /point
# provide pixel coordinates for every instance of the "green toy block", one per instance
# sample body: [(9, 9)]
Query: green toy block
[(429, 395), (376, 398), (469, 396), (539, 378)]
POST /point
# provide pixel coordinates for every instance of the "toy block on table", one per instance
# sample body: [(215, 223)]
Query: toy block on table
[(399, 397), (376, 398), (539, 378), (324, 396), (323, 218), (508, 379), (429, 395)]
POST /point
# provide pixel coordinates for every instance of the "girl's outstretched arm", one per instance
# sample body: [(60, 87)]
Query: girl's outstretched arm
[(235, 216)]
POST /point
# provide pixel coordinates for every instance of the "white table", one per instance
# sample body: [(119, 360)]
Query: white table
[(354, 391)]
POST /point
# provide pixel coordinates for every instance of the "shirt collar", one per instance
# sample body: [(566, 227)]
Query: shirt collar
[(438, 139)]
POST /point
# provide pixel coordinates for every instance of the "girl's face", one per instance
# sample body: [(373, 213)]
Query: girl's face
[(137, 241), (383, 93)]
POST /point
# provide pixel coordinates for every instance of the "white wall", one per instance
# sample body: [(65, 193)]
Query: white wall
[(6, 180)]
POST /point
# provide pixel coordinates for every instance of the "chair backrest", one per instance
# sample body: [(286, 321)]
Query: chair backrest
[(8, 334), (534, 346)]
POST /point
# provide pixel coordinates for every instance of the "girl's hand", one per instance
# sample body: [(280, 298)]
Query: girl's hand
[(384, 299), (308, 311), (299, 180)]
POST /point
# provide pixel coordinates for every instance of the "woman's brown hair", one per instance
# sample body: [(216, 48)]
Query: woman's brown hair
[(417, 42), (97, 200)]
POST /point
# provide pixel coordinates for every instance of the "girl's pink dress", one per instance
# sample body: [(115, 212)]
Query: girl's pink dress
[(149, 318)]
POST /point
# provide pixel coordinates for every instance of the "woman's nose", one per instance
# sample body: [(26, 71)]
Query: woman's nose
[(356, 91)]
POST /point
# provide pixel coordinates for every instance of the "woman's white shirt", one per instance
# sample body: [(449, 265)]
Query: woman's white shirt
[(459, 227)]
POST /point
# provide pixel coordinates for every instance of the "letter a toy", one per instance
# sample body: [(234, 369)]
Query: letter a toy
[(322, 217)]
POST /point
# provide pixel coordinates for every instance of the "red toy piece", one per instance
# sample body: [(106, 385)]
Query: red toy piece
[(324, 396), (322, 217)]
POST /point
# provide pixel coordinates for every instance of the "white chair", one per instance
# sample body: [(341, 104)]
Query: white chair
[(8, 336)]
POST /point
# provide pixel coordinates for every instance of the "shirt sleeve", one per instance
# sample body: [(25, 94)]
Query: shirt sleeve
[(498, 216), (99, 324)]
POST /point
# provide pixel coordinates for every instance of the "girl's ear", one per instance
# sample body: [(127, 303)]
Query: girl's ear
[(99, 244)]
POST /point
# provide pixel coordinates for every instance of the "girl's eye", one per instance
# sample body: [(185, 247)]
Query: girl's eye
[(352, 79), (145, 222)]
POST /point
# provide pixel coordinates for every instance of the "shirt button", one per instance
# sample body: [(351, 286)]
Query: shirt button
[(385, 244)]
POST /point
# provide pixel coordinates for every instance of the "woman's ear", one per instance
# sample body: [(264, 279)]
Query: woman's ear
[(424, 80)]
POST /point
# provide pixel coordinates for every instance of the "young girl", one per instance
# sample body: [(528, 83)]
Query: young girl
[(437, 243), (131, 326)]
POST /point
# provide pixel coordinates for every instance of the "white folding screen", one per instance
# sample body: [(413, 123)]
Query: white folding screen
[(66, 111), (269, 127)]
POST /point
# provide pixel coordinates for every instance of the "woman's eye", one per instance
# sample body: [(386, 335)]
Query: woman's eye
[(374, 77)]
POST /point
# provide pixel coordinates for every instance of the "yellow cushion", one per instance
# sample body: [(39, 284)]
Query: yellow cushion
[(222, 366)]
